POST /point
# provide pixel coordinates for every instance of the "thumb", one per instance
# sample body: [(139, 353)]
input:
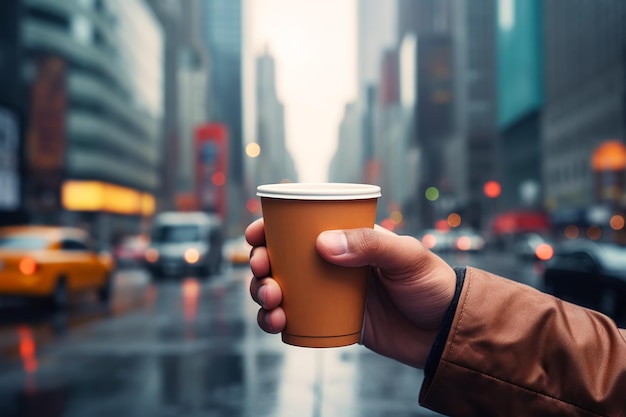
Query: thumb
[(377, 248)]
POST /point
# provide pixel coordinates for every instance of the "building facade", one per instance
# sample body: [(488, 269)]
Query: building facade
[(585, 79), (222, 34), (94, 102), (274, 163)]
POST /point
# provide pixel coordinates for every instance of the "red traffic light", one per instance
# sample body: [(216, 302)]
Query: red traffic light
[(492, 189)]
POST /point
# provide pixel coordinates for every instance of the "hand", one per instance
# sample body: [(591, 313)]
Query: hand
[(409, 291)]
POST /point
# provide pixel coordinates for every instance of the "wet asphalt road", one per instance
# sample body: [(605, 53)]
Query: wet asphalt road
[(188, 347), (184, 348)]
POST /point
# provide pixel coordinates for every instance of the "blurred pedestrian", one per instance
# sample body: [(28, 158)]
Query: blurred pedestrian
[(488, 345)]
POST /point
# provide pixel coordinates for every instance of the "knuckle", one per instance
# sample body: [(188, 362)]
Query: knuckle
[(367, 241)]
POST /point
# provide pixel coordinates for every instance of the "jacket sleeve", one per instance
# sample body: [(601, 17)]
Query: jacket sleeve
[(515, 351)]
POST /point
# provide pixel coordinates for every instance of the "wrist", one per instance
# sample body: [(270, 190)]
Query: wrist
[(444, 329)]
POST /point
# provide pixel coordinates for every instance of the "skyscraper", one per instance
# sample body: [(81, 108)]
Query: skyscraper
[(585, 80), (93, 77), (222, 32), (274, 164)]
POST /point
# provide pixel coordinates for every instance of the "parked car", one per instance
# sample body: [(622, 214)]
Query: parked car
[(237, 250), (52, 263), (533, 246), (589, 273), (185, 243), (131, 250)]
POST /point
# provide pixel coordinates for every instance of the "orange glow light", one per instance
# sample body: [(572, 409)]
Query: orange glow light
[(454, 220), (571, 232), (609, 156), (191, 295), (617, 222), (544, 252), (27, 266), (594, 232), (152, 255), (27, 349)]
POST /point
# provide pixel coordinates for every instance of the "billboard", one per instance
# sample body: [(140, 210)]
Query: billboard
[(519, 59), (46, 138), (211, 164), (434, 87)]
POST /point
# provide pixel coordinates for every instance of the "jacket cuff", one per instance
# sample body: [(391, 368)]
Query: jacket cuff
[(435, 352)]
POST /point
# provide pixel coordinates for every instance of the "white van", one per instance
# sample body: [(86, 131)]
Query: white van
[(185, 243)]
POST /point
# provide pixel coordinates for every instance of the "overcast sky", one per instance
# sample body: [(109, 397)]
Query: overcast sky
[(314, 44)]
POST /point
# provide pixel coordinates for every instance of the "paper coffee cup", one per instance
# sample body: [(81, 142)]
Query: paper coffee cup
[(324, 303)]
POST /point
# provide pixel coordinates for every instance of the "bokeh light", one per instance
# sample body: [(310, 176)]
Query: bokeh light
[(464, 243), (253, 205), (571, 232), (594, 232), (253, 150), (454, 220), (432, 194), (442, 225), (492, 189), (617, 222), (218, 179), (396, 216), (544, 252), (429, 240), (388, 224)]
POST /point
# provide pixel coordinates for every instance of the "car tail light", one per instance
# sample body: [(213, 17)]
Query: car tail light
[(544, 252), (27, 266)]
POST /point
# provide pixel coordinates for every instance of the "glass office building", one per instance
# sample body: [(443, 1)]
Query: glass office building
[(93, 81)]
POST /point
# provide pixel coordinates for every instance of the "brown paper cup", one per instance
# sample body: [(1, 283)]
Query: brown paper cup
[(324, 303)]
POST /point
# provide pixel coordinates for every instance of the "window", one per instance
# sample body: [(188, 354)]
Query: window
[(73, 245)]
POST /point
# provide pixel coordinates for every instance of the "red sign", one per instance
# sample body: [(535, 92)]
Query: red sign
[(211, 159), (515, 222), (46, 138)]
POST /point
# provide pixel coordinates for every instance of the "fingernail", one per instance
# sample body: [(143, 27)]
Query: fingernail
[(336, 242), (260, 294)]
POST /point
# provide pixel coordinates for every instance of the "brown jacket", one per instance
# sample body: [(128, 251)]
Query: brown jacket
[(515, 351)]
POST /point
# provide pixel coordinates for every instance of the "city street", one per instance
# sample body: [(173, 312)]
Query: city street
[(184, 348), (187, 347)]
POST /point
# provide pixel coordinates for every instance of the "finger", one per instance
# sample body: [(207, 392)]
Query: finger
[(255, 233), (272, 321), (260, 262), (266, 292), (361, 247)]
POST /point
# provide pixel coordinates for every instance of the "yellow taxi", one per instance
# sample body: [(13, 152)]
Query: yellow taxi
[(53, 263)]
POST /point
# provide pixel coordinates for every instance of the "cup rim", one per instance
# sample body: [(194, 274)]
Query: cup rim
[(319, 191)]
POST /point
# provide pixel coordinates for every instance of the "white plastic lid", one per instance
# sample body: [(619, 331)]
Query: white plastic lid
[(319, 191)]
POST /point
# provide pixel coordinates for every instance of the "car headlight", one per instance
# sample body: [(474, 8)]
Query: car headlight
[(192, 255)]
